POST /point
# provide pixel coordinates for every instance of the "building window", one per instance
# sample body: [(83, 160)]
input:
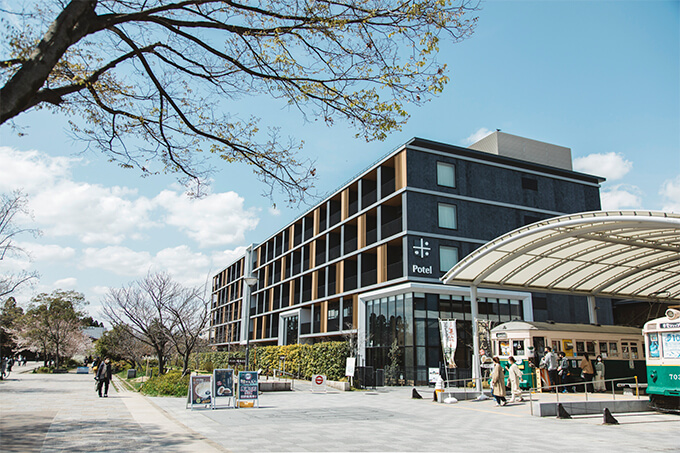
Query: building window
[(446, 174), (447, 216), (448, 257), (529, 184)]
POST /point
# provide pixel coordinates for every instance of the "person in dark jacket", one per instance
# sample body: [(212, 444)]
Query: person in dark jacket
[(104, 378)]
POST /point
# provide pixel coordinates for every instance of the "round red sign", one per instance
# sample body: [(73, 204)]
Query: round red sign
[(319, 380)]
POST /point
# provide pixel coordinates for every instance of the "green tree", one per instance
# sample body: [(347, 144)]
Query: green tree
[(151, 78), (10, 317), (53, 324), (120, 343)]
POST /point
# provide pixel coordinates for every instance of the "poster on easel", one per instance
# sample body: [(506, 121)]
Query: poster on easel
[(200, 391), (223, 388), (248, 388)]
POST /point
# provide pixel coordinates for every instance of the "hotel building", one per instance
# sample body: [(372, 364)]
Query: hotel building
[(367, 260)]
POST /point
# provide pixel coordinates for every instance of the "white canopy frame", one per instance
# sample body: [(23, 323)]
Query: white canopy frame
[(618, 254)]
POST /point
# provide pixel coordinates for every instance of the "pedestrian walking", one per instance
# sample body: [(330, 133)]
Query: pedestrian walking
[(498, 383), (588, 373), (599, 385), (104, 377), (514, 378), (549, 362)]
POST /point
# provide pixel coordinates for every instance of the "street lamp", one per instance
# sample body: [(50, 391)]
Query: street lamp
[(251, 282)]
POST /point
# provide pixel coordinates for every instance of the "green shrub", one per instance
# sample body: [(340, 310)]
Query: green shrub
[(302, 360), (170, 384), (43, 370)]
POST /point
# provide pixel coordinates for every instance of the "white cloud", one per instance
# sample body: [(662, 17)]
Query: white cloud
[(225, 258), (670, 191), (31, 171), (273, 210), (118, 260), (92, 213), (47, 252), (187, 267), (216, 219), (66, 283), (477, 136), (612, 166), (620, 197)]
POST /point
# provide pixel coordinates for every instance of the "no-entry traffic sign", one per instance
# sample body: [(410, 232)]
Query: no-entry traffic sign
[(318, 383)]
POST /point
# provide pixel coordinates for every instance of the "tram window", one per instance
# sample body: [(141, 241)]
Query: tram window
[(556, 346), (505, 347), (670, 345), (613, 349), (580, 347), (590, 345), (654, 345), (518, 347), (634, 351), (625, 351), (603, 348)]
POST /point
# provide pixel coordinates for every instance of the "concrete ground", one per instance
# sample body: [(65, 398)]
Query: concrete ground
[(63, 413)]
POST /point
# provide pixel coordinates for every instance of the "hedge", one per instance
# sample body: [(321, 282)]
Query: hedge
[(302, 360)]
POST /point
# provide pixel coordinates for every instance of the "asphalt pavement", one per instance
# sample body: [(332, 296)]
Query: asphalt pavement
[(62, 412)]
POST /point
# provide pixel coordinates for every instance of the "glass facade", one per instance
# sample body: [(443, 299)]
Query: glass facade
[(411, 320)]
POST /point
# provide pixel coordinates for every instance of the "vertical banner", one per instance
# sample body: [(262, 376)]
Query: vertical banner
[(484, 336), (449, 338)]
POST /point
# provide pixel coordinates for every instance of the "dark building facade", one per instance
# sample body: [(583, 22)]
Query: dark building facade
[(367, 260)]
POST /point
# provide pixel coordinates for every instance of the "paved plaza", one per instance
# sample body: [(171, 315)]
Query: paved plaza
[(49, 413)]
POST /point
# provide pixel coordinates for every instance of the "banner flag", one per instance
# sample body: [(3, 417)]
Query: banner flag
[(449, 337)]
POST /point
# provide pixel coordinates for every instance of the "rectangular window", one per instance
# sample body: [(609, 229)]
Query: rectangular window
[(448, 257), (580, 347), (518, 347), (613, 349), (447, 216), (670, 345), (529, 183), (446, 174)]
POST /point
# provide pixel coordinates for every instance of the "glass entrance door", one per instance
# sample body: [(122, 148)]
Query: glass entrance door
[(290, 333)]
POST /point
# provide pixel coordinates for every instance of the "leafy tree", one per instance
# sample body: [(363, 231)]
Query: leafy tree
[(11, 206), (151, 77), (89, 321), (120, 343), (53, 324), (10, 316)]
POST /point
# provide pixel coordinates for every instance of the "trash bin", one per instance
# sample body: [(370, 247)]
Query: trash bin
[(132, 373)]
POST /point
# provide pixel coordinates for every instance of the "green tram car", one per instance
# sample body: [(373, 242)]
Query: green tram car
[(622, 348), (662, 342)]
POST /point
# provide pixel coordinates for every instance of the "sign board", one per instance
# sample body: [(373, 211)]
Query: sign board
[(200, 390), (236, 361), (433, 374), (449, 339), (318, 383), (248, 388), (223, 385), (350, 365), (671, 345)]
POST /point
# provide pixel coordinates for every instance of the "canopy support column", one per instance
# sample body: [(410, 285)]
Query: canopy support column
[(592, 310), (476, 369)]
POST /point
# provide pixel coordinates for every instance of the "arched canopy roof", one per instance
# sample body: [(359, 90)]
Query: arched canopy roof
[(622, 254)]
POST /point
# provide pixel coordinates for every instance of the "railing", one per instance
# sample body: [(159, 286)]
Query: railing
[(465, 386), (284, 374), (585, 384)]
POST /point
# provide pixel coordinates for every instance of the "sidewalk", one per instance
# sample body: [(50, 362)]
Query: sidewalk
[(50, 413), (62, 412)]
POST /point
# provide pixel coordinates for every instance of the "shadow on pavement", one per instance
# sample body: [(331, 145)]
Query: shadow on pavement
[(22, 432)]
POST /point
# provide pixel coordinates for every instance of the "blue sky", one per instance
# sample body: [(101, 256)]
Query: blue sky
[(602, 78)]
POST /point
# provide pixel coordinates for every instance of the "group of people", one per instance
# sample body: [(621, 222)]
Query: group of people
[(498, 381), (560, 372), (102, 374)]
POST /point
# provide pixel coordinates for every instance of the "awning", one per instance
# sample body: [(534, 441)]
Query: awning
[(622, 254)]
